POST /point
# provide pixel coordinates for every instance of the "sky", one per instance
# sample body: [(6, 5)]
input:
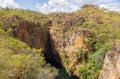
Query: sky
[(47, 6)]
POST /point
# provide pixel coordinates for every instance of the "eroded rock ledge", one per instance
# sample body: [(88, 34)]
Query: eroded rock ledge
[(111, 68)]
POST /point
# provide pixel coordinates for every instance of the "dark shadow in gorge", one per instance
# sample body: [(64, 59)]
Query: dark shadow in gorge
[(52, 57)]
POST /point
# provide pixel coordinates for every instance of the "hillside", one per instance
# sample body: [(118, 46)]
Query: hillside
[(76, 45)]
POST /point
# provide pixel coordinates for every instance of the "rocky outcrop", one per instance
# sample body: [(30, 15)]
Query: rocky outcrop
[(29, 33), (67, 21), (68, 44), (111, 68), (61, 46), (58, 46)]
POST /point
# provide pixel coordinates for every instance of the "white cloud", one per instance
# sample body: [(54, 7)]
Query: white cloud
[(112, 6), (73, 5), (8, 3), (56, 6)]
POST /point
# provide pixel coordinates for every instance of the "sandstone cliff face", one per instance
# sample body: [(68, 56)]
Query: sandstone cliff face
[(68, 41), (28, 33), (111, 68), (68, 45)]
